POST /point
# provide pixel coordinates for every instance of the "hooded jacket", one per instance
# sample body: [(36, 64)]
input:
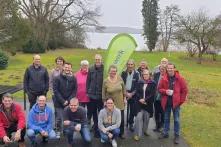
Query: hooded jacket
[(179, 90), (17, 114), (40, 120)]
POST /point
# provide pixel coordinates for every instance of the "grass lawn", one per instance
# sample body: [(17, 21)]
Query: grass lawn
[(201, 115)]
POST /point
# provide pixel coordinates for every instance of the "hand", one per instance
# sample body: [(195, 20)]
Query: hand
[(65, 103), (142, 100), (169, 92), (104, 130), (110, 135), (78, 127), (17, 135), (128, 95), (125, 101), (67, 122), (6, 139)]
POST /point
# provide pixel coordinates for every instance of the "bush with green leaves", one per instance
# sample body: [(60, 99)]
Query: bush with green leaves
[(3, 59), (33, 46)]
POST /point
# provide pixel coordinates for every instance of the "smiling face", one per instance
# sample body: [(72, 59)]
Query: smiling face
[(36, 60), (7, 102), (67, 69), (98, 60), (170, 70), (110, 104), (112, 72), (41, 101), (74, 104), (130, 66), (59, 63), (146, 74)]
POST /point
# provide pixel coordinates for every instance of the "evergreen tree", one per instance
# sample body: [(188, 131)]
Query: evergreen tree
[(150, 18)]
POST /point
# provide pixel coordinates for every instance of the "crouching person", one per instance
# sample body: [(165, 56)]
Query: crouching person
[(12, 119), (75, 120), (40, 121), (109, 121)]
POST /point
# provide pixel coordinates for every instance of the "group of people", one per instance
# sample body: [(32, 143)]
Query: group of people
[(84, 96)]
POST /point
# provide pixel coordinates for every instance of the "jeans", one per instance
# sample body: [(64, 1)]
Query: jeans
[(105, 137), (85, 134), (176, 118), (32, 134)]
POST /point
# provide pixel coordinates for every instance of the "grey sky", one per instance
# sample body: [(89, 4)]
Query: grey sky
[(127, 13)]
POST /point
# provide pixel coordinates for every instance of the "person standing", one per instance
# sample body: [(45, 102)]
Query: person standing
[(59, 61), (12, 119), (94, 91), (81, 77), (158, 111), (163, 62), (109, 121), (65, 88), (113, 87), (75, 120), (143, 65), (130, 77), (40, 121), (36, 80), (173, 90), (145, 92)]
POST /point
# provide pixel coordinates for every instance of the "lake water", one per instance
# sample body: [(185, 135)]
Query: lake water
[(102, 40)]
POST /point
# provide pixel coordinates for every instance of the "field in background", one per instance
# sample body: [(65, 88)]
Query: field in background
[(201, 115)]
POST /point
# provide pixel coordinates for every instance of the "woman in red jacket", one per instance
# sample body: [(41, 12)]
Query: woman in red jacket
[(12, 119)]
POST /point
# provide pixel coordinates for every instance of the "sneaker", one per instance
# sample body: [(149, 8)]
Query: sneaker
[(114, 143), (131, 128), (146, 134), (58, 135), (97, 134), (156, 130), (176, 139), (136, 138), (102, 141), (163, 136)]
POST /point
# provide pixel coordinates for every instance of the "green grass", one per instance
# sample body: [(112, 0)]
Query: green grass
[(200, 115)]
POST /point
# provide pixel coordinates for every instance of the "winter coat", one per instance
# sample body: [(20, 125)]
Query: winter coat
[(149, 96), (17, 114), (65, 88), (94, 82), (81, 84), (179, 90), (36, 80)]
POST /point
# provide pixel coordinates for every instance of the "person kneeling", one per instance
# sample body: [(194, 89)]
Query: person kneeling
[(40, 121), (75, 120), (12, 119), (109, 121)]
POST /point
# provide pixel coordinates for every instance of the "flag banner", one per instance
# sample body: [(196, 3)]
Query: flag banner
[(119, 51)]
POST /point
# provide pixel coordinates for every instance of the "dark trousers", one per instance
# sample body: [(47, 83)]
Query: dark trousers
[(12, 129), (131, 113), (159, 114), (33, 98), (122, 123), (94, 108)]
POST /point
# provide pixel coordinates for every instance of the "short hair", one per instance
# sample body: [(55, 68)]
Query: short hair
[(8, 95), (42, 96), (84, 62), (170, 63), (59, 58), (164, 59), (109, 98), (112, 66), (35, 56), (99, 55), (131, 60), (74, 99), (68, 63)]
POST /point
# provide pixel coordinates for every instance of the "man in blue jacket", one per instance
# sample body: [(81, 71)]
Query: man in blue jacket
[(40, 121)]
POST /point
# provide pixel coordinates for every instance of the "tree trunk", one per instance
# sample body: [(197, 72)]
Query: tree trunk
[(200, 55)]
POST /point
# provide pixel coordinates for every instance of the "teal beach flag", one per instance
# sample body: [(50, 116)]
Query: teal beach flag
[(119, 51)]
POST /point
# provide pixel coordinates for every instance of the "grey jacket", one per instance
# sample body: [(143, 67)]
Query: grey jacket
[(102, 119)]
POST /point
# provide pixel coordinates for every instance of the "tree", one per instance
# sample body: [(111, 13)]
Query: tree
[(167, 25), (44, 14), (199, 29), (150, 19)]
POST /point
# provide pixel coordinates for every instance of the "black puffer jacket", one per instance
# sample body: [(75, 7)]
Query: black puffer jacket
[(36, 80), (95, 82), (65, 88), (149, 96)]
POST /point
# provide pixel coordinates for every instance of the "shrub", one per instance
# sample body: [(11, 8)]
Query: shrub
[(33, 46), (3, 60)]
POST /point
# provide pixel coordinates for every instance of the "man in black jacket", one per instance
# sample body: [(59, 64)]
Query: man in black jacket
[(94, 91), (130, 77), (65, 88), (36, 80)]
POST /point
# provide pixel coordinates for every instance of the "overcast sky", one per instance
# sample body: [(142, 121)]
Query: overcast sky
[(127, 13)]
